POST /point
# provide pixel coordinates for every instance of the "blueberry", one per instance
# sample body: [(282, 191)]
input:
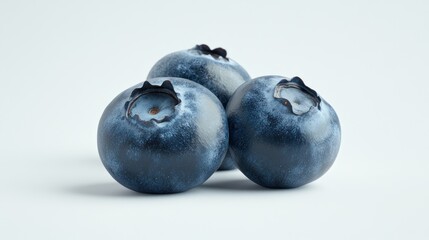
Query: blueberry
[(282, 133), (166, 135), (208, 67)]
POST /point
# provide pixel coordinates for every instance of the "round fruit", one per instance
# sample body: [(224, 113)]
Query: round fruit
[(282, 133), (166, 135), (208, 67)]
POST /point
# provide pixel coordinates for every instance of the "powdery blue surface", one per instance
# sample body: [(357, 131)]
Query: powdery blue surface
[(166, 157), (274, 147), (219, 75)]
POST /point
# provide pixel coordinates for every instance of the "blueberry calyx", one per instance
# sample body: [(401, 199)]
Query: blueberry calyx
[(152, 103), (216, 53), (305, 93)]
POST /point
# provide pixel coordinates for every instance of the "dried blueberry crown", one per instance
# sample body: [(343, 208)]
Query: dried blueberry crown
[(296, 83), (216, 53), (166, 87)]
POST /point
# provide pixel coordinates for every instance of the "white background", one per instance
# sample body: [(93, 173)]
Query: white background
[(62, 62)]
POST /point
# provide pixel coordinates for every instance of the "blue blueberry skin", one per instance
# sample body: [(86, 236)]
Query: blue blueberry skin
[(282, 133), (210, 68), (162, 137)]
